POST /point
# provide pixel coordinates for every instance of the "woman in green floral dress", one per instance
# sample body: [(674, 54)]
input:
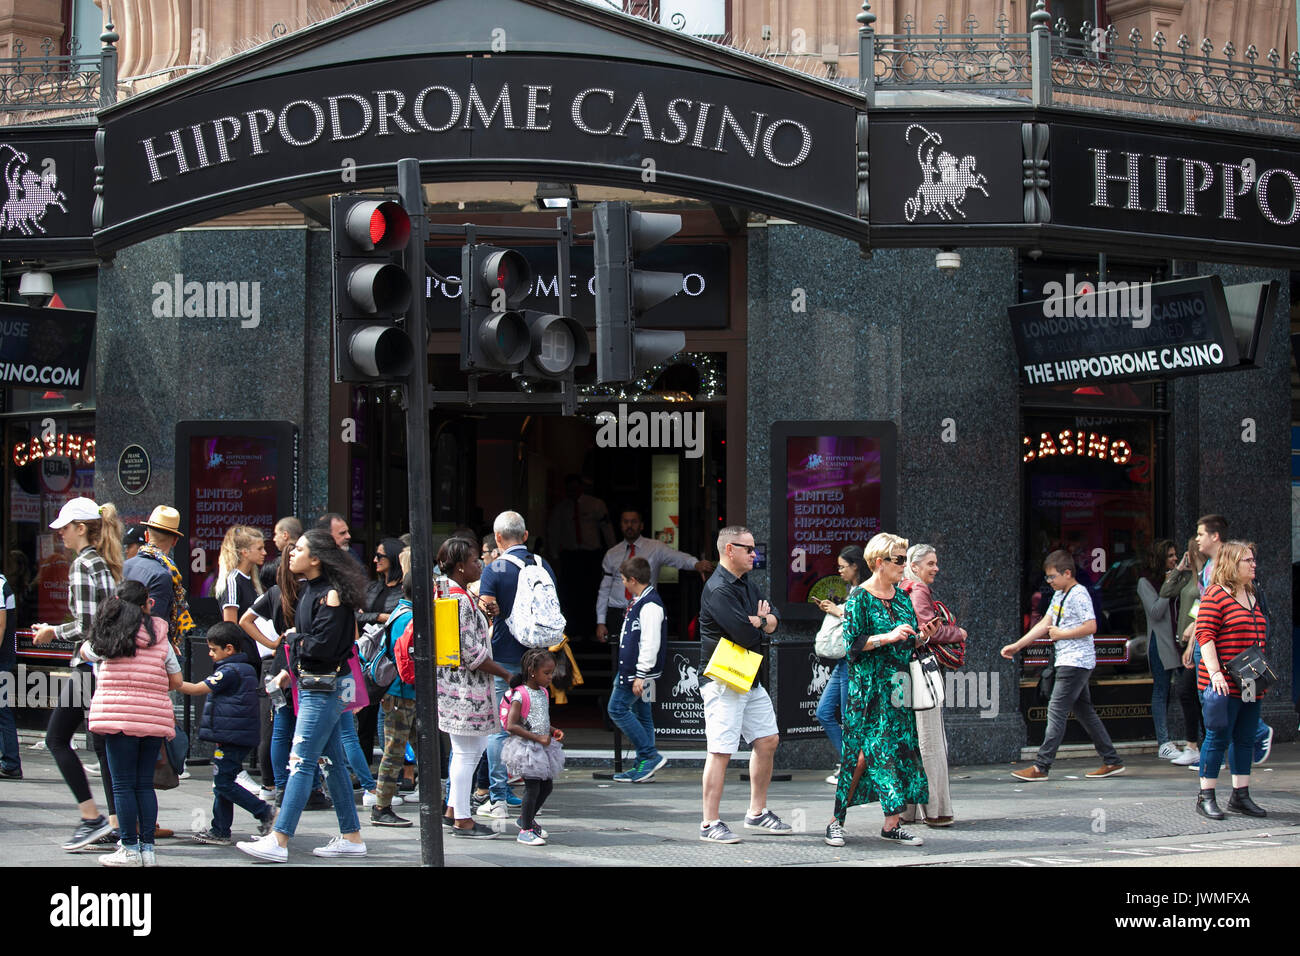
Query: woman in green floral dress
[(881, 758)]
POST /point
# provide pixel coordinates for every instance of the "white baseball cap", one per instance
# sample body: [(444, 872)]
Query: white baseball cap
[(77, 509)]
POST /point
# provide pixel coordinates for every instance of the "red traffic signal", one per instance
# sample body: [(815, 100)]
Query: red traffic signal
[(379, 225)]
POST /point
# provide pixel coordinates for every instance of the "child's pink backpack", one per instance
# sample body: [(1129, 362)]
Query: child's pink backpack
[(521, 694)]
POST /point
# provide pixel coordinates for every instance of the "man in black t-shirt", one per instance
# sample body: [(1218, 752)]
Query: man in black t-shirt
[(11, 767)]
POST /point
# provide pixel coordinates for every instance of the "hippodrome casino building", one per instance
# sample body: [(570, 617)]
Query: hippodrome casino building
[(867, 341)]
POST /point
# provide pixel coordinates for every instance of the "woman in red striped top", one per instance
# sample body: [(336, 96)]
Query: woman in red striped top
[(1228, 622)]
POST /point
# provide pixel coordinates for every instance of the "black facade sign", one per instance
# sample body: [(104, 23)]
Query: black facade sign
[(44, 348), (702, 303), (801, 676), (678, 706), (48, 191), (521, 116), (1189, 188), (1124, 330), (133, 469), (924, 171)]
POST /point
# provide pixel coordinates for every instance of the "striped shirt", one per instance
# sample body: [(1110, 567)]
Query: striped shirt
[(1231, 628), (90, 583)]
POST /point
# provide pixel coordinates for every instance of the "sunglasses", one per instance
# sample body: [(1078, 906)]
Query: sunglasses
[(749, 548), (898, 559)]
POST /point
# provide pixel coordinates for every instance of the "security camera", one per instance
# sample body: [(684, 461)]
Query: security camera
[(947, 261), (36, 288)]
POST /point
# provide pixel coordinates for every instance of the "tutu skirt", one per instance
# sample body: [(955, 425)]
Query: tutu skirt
[(530, 760)]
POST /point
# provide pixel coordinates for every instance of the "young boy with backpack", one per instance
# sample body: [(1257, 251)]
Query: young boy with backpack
[(384, 668)]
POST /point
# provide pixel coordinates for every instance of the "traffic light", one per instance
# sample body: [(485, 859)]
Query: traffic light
[(624, 292), (497, 335), (372, 291)]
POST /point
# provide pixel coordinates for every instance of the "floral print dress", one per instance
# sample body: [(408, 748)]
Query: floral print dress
[(466, 705), (876, 724)]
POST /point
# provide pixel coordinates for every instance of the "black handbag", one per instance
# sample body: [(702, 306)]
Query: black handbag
[(323, 682), (1250, 665)]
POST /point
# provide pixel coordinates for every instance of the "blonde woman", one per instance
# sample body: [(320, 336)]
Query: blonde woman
[(94, 535), (881, 757), (239, 584), (1228, 622)]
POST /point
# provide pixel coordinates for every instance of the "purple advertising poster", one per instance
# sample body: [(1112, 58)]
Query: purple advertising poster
[(232, 481), (832, 499)]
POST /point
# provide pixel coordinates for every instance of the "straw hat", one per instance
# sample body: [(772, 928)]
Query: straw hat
[(165, 519)]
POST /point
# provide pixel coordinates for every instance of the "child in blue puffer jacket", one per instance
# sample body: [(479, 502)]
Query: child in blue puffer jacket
[(230, 721)]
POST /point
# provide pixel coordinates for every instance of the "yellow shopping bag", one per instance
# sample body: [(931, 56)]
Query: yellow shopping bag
[(734, 666), (446, 629)]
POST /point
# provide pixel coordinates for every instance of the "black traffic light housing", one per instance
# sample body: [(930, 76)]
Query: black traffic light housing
[(624, 293), (497, 335), (372, 290)]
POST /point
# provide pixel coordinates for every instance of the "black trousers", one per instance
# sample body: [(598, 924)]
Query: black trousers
[(535, 794), (64, 722)]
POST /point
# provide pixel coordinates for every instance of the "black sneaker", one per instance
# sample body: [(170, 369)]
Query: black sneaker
[(11, 774), (477, 800), (477, 832), (899, 835), (319, 800), (87, 833), (111, 838), (835, 833), (385, 817)]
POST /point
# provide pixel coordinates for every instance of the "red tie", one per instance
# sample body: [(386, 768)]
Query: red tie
[(631, 553)]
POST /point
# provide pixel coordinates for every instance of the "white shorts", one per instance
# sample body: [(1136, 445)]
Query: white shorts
[(729, 715)]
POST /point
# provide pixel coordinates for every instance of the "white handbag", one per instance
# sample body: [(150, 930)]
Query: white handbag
[(829, 642), (925, 682)]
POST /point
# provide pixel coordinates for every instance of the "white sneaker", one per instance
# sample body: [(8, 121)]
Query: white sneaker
[(397, 801), (265, 848), (494, 809), (267, 796), (339, 847), (122, 856), (1188, 758), (371, 799), (245, 781), (834, 778), (92, 769), (1168, 750)]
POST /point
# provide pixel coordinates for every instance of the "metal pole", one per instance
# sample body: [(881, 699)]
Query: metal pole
[(428, 760)]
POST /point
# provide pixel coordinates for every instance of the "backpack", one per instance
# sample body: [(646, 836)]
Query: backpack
[(521, 694), (535, 620), (377, 663), (402, 654)]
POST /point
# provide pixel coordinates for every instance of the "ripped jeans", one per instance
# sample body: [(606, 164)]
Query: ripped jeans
[(316, 734)]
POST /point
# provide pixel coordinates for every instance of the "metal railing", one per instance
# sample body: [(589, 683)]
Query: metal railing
[(51, 81), (1093, 65)]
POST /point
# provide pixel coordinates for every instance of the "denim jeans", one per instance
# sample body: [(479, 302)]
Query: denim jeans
[(357, 761), (1261, 730), (634, 716), (282, 729), (1238, 741), (227, 761), (317, 733), (497, 774), (1160, 681), (132, 760), (1071, 692), (10, 758), (835, 700)]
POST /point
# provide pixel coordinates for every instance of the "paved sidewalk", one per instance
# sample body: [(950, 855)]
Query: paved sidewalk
[(1138, 818)]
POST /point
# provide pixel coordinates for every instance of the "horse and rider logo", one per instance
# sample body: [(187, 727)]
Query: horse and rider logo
[(688, 677), (946, 182), (31, 195)]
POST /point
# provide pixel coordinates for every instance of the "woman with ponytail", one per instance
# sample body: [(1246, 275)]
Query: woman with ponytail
[(239, 583), (94, 535)]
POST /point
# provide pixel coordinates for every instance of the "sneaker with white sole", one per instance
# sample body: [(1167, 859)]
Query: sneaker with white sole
[(208, 838), (147, 855), (494, 810), (340, 848), (1168, 751), (1264, 748), (542, 833), (833, 778), (530, 838), (88, 832), (645, 769), (266, 849), (370, 798), (476, 832), (717, 832), (769, 822), (1187, 758), (265, 795), (247, 782), (834, 833), (899, 835), (122, 856)]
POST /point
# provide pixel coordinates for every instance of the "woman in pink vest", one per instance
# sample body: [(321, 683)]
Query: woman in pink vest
[(135, 669)]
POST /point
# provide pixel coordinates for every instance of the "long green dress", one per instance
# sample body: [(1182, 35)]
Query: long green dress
[(883, 732)]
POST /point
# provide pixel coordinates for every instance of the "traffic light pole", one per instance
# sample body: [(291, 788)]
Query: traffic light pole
[(421, 516)]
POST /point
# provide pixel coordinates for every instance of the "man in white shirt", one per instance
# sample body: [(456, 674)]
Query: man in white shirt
[(612, 600)]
